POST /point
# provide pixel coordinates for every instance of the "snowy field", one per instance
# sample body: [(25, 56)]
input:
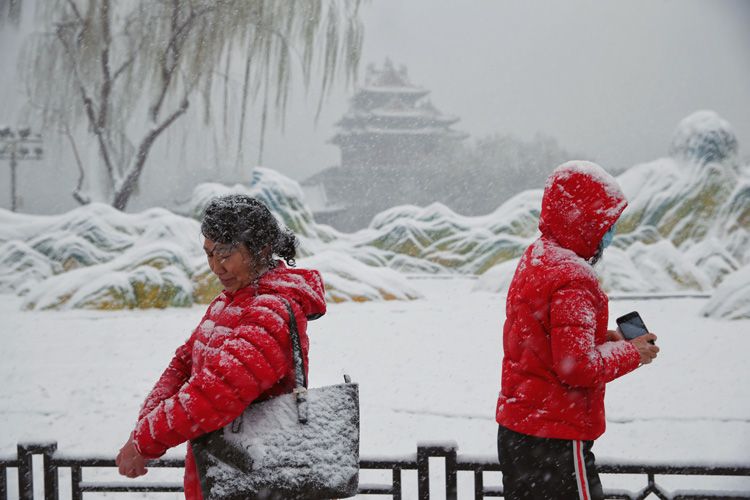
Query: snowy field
[(428, 370)]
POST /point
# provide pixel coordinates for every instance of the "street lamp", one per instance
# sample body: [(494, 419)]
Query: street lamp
[(16, 145)]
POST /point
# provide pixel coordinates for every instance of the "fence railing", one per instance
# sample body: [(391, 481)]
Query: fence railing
[(53, 462)]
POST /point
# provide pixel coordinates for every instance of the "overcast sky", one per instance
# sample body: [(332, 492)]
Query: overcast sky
[(607, 79)]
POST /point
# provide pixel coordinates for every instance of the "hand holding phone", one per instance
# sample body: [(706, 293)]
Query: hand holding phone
[(634, 330), (631, 325), (646, 348)]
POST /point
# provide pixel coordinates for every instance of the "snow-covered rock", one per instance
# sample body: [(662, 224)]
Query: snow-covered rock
[(731, 300), (146, 276), (657, 267), (687, 227), (497, 279), (347, 279), (22, 266), (97, 257), (704, 137), (464, 244), (282, 195)]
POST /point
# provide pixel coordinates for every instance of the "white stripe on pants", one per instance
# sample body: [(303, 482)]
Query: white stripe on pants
[(580, 468)]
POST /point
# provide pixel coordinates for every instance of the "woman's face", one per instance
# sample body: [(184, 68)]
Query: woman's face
[(232, 263)]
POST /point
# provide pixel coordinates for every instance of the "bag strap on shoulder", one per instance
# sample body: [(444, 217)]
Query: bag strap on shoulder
[(300, 377)]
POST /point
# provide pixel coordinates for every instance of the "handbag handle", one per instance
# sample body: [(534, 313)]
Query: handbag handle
[(300, 378)]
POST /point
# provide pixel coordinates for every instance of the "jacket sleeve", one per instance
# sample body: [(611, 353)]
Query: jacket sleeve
[(237, 366), (171, 380), (576, 358)]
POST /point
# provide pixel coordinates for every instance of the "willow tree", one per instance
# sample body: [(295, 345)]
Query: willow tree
[(126, 65)]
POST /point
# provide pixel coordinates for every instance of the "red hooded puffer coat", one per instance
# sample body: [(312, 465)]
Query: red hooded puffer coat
[(556, 357), (239, 352)]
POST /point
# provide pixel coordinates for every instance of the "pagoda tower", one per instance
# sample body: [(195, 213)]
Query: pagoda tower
[(391, 122), (390, 140)]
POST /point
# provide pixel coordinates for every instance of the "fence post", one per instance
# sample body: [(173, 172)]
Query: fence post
[(3, 483), (51, 486), (25, 473), (479, 484), (26, 452), (76, 475), (451, 474), (397, 483), (423, 473)]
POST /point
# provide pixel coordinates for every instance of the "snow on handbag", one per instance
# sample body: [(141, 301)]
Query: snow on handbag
[(298, 446)]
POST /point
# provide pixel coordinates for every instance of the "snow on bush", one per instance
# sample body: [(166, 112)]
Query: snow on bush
[(731, 300)]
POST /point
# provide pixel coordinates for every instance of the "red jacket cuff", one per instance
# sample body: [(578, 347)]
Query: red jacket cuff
[(144, 442)]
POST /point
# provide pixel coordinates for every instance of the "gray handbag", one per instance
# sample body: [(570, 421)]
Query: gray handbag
[(298, 446)]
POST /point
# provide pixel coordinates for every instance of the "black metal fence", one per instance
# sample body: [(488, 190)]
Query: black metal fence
[(53, 462)]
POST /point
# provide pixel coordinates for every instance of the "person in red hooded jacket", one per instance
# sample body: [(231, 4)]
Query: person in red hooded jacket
[(241, 350), (558, 351)]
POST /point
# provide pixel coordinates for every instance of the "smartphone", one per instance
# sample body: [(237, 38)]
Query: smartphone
[(631, 325)]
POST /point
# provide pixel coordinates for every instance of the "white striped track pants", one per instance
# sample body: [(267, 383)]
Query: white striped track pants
[(537, 468)]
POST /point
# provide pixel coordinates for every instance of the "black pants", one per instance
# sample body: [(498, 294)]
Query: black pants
[(547, 469)]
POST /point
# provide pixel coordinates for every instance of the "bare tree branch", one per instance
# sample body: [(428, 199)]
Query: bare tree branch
[(173, 51), (78, 191), (175, 48), (76, 11), (106, 77), (89, 108), (125, 189)]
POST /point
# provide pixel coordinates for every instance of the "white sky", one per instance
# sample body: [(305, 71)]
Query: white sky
[(608, 79)]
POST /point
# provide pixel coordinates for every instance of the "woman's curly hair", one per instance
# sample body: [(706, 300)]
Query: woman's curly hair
[(238, 218)]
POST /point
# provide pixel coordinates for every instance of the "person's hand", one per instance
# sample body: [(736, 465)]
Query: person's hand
[(614, 335), (129, 462), (647, 350)]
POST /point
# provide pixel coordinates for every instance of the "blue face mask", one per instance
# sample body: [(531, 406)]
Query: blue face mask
[(609, 236)]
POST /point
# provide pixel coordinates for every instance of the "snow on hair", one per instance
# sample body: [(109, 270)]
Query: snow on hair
[(238, 218)]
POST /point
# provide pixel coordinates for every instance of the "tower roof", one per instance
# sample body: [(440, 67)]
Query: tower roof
[(389, 104), (390, 80)]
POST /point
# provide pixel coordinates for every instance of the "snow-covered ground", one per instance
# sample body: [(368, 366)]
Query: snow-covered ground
[(428, 370)]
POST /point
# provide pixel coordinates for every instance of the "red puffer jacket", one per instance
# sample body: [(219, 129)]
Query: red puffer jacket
[(240, 351), (557, 359)]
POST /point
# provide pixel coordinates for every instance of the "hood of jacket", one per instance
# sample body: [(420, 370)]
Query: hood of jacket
[(303, 286), (581, 202)]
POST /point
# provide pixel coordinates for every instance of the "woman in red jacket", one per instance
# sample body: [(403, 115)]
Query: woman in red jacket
[(558, 352), (241, 350)]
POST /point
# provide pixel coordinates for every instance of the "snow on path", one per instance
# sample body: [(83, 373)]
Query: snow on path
[(428, 370)]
